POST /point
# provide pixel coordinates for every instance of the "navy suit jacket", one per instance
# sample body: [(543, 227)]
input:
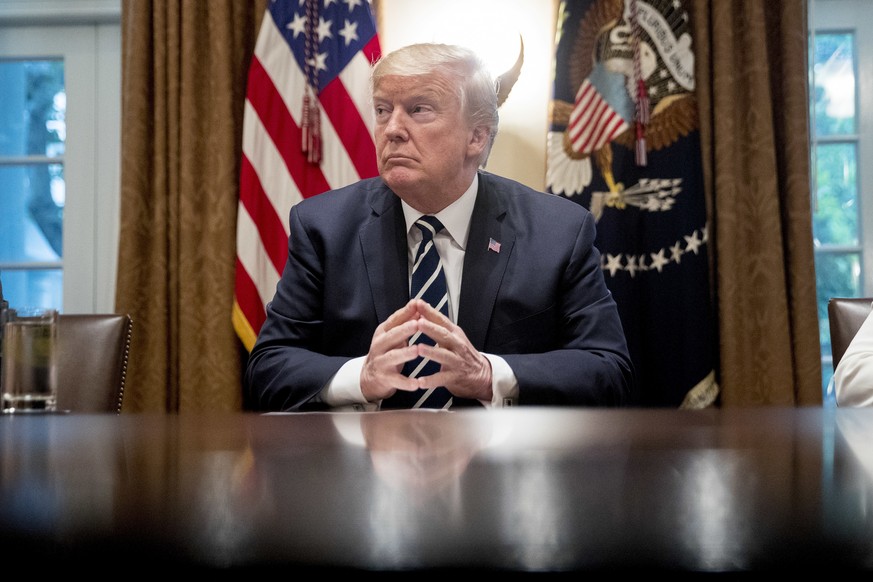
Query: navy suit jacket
[(541, 302)]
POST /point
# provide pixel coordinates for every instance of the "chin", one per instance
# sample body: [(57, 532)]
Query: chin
[(399, 179)]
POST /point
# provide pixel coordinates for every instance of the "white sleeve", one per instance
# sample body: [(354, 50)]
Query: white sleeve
[(504, 384), (343, 391), (853, 377)]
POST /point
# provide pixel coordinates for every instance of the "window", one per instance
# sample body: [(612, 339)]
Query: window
[(841, 55), (60, 79), (32, 132)]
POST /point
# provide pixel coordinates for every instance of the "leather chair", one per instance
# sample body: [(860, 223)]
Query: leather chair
[(93, 353), (845, 316)]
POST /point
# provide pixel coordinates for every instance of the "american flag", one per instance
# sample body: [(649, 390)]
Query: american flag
[(593, 122), (307, 129)]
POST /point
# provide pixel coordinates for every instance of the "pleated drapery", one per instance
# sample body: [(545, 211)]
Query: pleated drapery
[(184, 69), (754, 104)]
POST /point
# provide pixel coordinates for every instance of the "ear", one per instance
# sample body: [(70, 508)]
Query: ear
[(478, 140)]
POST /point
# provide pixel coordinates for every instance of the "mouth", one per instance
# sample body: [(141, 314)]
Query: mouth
[(398, 160)]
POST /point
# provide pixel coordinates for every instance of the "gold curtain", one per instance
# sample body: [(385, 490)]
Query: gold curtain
[(184, 69), (754, 106)]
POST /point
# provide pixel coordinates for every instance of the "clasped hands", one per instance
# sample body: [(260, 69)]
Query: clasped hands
[(463, 370)]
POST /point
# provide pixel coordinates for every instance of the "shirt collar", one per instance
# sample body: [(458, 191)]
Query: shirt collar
[(455, 217)]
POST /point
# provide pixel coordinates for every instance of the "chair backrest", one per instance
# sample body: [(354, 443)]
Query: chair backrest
[(93, 352), (845, 316)]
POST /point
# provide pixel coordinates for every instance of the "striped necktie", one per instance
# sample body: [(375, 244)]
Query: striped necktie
[(428, 283)]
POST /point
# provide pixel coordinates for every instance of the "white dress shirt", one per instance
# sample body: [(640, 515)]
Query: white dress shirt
[(853, 377), (344, 389)]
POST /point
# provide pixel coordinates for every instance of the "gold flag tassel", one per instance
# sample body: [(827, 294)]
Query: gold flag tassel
[(310, 119), (641, 122), (642, 93), (311, 129), (304, 122)]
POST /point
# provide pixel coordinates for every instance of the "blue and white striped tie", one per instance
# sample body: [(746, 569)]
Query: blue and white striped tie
[(428, 283)]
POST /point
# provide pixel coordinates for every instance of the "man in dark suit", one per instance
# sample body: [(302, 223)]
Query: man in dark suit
[(530, 320)]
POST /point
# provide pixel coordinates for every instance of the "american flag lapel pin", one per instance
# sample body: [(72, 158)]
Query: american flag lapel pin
[(493, 245)]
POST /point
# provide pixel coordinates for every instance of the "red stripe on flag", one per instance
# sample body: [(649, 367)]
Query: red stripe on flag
[(264, 215), (595, 127), (248, 300), (600, 134), (372, 50), (283, 130), (350, 127)]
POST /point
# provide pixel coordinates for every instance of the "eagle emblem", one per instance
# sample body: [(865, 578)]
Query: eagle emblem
[(633, 69)]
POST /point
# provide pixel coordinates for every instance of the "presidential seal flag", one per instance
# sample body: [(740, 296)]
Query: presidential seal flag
[(307, 128), (624, 141)]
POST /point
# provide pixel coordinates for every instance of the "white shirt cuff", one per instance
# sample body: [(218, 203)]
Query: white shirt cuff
[(343, 391), (504, 384)]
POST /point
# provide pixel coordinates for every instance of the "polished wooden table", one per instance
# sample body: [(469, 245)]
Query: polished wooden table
[(528, 490)]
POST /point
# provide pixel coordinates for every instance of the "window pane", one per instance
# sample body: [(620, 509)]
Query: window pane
[(835, 220), (834, 91), (33, 288), (32, 108), (32, 195), (829, 397), (31, 213)]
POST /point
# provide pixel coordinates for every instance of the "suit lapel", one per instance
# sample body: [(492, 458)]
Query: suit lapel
[(383, 245), (484, 263)]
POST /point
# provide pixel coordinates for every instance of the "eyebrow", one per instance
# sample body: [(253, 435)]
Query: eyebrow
[(424, 94)]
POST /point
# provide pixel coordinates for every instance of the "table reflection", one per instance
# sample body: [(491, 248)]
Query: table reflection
[(419, 458), (857, 431), (849, 489), (53, 478), (417, 454), (520, 490)]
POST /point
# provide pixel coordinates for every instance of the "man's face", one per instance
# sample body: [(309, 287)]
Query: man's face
[(427, 152)]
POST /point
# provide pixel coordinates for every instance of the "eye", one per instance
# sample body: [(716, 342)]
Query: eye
[(421, 108)]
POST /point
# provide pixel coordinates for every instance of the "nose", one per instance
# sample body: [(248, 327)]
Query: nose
[(395, 126)]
